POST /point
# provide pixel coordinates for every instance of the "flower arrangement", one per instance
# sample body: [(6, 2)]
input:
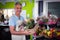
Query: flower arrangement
[(47, 33), (42, 31), (30, 23)]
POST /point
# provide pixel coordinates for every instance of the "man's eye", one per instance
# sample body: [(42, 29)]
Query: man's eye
[(20, 8), (17, 8)]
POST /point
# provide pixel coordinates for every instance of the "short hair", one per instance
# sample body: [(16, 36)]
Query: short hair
[(18, 3)]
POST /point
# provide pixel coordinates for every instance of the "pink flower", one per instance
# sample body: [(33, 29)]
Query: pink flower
[(51, 22)]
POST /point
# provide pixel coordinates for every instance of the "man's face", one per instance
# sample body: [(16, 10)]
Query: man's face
[(18, 9)]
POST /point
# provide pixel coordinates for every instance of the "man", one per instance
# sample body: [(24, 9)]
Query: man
[(16, 35)]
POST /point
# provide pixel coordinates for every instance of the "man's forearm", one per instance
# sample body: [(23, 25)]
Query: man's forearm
[(19, 33)]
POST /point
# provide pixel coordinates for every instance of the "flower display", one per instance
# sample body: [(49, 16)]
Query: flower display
[(42, 30)]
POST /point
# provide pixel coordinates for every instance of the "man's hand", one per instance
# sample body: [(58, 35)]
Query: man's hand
[(36, 27)]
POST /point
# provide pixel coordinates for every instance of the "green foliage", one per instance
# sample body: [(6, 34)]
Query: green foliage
[(30, 23)]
